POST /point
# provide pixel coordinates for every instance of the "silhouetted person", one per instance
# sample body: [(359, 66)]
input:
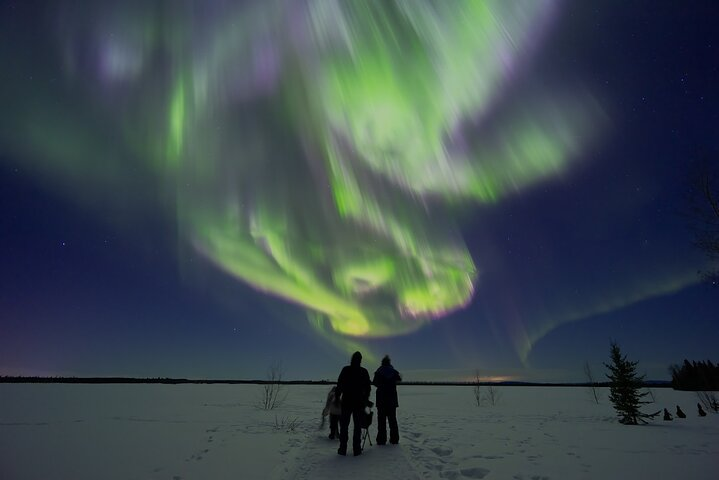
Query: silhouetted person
[(667, 415), (353, 387), (680, 414), (702, 413), (385, 379), (334, 410)]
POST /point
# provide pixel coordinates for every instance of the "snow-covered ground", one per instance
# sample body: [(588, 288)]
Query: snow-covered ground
[(211, 432)]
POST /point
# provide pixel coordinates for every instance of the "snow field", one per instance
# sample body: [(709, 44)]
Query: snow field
[(205, 432)]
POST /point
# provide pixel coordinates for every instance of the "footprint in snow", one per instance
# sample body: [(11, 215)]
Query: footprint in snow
[(449, 474), (437, 467), (441, 451), (476, 472)]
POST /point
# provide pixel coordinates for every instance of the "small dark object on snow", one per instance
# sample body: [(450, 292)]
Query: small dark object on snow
[(680, 414), (667, 415), (702, 413)]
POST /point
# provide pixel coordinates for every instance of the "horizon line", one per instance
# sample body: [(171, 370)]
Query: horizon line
[(176, 381)]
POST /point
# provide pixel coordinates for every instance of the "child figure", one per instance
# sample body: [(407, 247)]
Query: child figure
[(334, 410)]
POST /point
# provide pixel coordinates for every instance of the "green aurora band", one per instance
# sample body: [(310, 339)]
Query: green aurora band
[(316, 150)]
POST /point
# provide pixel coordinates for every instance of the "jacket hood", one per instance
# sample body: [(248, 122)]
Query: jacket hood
[(356, 359)]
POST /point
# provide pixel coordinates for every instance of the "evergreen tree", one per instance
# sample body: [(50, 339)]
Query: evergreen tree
[(625, 388), (697, 376)]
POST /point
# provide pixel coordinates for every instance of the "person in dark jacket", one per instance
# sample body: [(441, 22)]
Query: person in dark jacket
[(385, 379), (353, 388)]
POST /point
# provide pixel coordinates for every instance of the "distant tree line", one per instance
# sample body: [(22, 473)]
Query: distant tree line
[(59, 379), (695, 376), (156, 380)]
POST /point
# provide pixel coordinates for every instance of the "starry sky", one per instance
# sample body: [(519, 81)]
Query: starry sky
[(201, 189)]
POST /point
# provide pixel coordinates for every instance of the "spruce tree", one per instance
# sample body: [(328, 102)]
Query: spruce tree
[(625, 388)]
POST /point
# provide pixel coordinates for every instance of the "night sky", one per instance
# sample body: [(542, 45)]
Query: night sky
[(201, 189)]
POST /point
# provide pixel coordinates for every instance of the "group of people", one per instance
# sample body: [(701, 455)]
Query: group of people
[(349, 399)]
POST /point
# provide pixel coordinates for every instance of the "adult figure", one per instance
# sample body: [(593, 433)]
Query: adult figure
[(385, 379), (353, 388)]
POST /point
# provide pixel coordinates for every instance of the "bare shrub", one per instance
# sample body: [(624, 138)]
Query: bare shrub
[(650, 396), (477, 389), (493, 395), (589, 376), (286, 424), (273, 393), (709, 401), (488, 395)]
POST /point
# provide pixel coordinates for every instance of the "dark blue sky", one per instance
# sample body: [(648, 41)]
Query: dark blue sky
[(600, 254)]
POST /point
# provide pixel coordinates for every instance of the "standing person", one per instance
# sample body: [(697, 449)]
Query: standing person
[(334, 410), (353, 387), (385, 379)]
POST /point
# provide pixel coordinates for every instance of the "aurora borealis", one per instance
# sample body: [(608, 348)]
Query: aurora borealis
[(353, 158)]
